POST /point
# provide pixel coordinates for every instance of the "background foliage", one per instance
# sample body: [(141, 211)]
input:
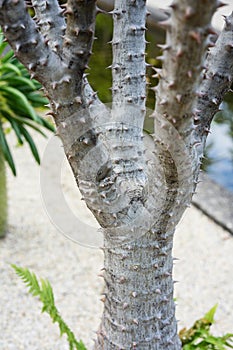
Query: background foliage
[(19, 96)]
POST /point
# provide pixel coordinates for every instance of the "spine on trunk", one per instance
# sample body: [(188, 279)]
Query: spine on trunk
[(50, 19)]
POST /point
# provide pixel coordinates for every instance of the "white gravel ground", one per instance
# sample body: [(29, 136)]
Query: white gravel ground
[(205, 269)]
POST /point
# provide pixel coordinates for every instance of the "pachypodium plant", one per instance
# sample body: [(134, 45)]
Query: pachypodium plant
[(136, 192)]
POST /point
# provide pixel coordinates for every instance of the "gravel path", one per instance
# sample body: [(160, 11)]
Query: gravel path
[(205, 268)]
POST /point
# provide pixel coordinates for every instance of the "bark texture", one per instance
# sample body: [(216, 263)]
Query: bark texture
[(137, 187)]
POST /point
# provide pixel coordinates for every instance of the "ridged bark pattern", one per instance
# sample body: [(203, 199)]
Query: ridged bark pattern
[(48, 15), (217, 80), (139, 293)]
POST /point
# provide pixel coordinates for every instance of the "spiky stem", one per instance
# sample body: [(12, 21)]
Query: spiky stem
[(138, 300), (27, 43), (79, 34), (217, 79), (187, 40), (50, 21)]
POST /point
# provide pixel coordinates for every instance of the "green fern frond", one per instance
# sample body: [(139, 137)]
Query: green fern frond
[(45, 292)]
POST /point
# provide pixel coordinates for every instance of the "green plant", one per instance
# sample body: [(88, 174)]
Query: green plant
[(45, 293), (19, 96), (3, 197), (199, 337)]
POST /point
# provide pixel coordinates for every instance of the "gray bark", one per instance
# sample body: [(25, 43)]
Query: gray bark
[(137, 188)]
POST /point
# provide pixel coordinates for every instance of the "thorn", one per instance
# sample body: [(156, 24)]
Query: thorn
[(171, 85), (229, 47), (99, 10), (215, 101), (164, 47), (31, 66), (195, 36), (174, 6), (122, 280), (166, 24), (161, 58), (189, 12), (51, 113), (220, 4), (207, 130), (68, 11), (78, 99), (179, 52), (179, 98), (54, 84), (163, 102), (17, 47), (67, 41), (212, 31), (189, 74)]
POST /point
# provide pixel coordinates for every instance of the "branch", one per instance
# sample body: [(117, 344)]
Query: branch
[(28, 44), (129, 67), (217, 79), (186, 43), (79, 34), (51, 22), (66, 88)]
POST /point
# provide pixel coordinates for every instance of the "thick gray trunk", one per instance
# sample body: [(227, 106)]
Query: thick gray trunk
[(139, 311)]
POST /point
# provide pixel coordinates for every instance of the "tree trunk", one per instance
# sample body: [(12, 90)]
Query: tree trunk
[(139, 310), (3, 197)]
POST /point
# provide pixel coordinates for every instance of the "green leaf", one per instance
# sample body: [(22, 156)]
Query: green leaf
[(31, 143), (3, 45), (16, 129), (21, 83), (45, 293), (48, 124), (20, 98), (31, 124), (209, 316), (37, 99), (7, 56), (10, 67), (6, 151), (29, 278)]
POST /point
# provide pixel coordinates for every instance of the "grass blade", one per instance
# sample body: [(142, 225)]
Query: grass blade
[(6, 151), (31, 143)]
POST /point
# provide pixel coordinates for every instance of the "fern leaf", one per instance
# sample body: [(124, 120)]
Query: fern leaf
[(29, 279), (45, 292)]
